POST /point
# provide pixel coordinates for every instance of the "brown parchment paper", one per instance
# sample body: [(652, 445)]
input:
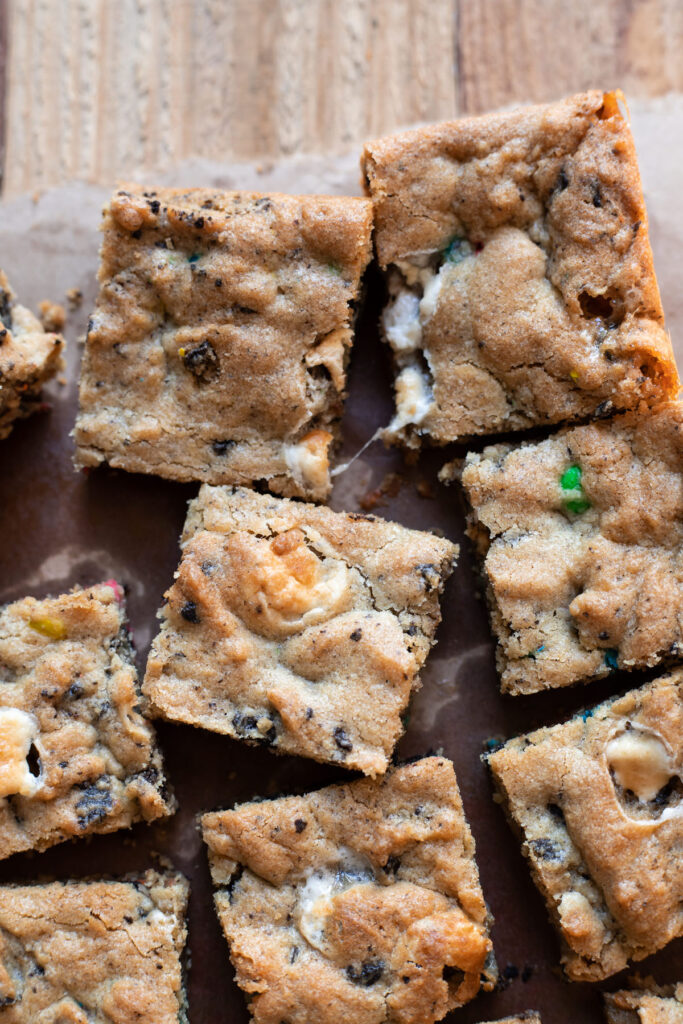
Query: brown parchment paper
[(59, 527)]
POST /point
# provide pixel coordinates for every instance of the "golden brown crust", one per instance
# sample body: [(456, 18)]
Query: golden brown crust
[(29, 356), (77, 755), (524, 235), (218, 347), (297, 626), (74, 952), (599, 803), (583, 578), (359, 902), (648, 1003)]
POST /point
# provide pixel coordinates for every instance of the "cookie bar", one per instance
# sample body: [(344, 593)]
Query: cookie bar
[(651, 1004), (522, 289), (359, 902), (78, 952), (296, 626), (599, 803), (581, 536), (218, 347), (29, 356), (76, 754)]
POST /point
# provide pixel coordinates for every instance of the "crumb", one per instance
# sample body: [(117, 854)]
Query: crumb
[(52, 316), (389, 488), (425, 488)]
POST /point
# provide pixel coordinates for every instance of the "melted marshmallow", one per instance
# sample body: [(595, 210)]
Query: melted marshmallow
[(18, 730), (640, 762)]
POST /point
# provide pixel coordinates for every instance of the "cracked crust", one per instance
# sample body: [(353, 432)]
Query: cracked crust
[(218, 347), (599, 803), (581, 537), (296, 626), (648, 1003), (76, 754), (29, 357), (105, 951), (522, 285), (359, 902)]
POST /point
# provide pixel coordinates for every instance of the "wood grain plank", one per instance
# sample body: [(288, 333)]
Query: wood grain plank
[(127, 89), (3, 83), (519, 50)]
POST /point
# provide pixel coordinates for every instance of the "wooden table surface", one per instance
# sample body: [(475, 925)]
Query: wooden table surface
[(105, 89)]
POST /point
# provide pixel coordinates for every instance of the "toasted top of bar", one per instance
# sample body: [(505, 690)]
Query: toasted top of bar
[(76, 754), (583, 534), (82, 951), (648, 1004), (524, 235), (599, 800), (218, 347), (356, 902), (296, 626)]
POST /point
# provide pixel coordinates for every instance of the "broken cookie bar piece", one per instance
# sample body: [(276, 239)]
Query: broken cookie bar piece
[(581, 537), (648, 1004), (359, 902), (76, 754), (599, 804), (297, 627), (219, 344), (29, 357), (94, 951), (522, 289)]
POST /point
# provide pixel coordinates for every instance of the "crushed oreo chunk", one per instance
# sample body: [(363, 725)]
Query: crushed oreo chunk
[(546, 849), (189, 612), (94, 805), (367, 974), (222, 447), (341, 739), (202, 362)]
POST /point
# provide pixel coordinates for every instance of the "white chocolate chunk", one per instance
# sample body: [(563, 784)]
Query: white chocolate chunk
[(308, 460), (402, 322), (316, 896), (414, 398), (18, 730), (430, 297), (285, 585), (580, 922), (640, 762)]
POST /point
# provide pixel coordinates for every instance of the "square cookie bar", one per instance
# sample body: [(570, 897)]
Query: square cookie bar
[(599, 804), (650, 1004), (296, 626), (29, 356), (356, 903), (521, 283), (76, 754), (79, 952), (581, 537), (218, 347)]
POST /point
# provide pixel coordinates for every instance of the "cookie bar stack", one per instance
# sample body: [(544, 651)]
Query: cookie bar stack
[(523, 295), (521, 300), (218, 352)]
